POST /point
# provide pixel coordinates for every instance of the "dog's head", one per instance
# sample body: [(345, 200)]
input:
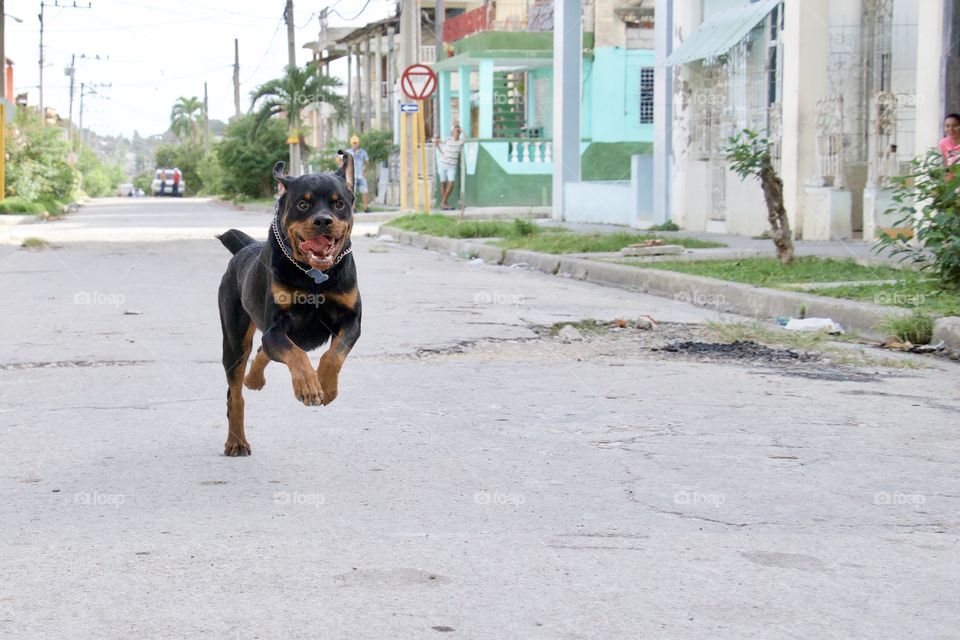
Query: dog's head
[(316, 213)]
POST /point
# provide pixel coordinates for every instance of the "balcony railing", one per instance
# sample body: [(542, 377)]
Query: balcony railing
[(531, 152), (501, 15), (465, 24)]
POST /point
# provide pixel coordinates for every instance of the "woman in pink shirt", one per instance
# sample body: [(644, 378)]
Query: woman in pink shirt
[(950, 145)]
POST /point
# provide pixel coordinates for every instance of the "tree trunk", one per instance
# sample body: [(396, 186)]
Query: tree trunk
[(295, 168), (776, 213)]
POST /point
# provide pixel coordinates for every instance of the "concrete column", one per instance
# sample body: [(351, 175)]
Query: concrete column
[(662, 110), (378, 82), (360, 92), (368, 71), (930, 78), (391, 86), (805, 48), (567, 60), (464, 100), (485, 86), (686, 17), (445, 112)]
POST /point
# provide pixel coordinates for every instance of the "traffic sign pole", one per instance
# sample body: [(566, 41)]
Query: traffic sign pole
[(418, 82), (403, 161)]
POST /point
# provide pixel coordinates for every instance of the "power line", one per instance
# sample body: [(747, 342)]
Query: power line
[(265, 53), (354, 17)]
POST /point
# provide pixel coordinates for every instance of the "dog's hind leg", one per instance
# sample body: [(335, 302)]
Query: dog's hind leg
[(255, 379), (238, 332)]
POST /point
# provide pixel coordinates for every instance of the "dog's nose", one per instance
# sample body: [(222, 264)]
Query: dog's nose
[(322, 220)]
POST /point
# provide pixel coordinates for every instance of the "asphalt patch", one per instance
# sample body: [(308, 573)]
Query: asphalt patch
[(738, 350)]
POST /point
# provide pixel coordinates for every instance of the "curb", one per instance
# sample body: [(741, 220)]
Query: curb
[(11, 219), (728, 297)]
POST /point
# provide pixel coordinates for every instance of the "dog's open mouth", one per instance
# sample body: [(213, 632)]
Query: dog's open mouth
[(320, 251)]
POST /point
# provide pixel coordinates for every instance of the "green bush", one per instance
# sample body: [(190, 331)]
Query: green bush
[(246, 158), (37, 160), (144, 181), (210, 172), (928, 201)]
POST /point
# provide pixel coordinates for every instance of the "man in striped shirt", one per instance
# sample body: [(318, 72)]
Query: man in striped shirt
[(449, 150)]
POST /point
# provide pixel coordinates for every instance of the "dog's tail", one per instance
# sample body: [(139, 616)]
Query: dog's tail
[(235, 240)]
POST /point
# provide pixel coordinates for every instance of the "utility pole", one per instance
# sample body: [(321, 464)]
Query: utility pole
[(43, 117), (206, 121), (72, 72), (56, 4), (293, 138), (236, 77), (291, 47), (3, 63), (87, 90)]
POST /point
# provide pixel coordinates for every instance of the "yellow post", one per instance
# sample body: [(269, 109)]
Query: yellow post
[(403, 161), (416, 161), (3, 150), (423, 158)]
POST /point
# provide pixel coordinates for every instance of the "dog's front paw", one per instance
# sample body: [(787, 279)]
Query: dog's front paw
[(235, 448), (254, 381), (307, 389)]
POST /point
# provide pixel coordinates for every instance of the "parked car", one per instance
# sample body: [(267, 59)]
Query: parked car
[(126, 190), (163, 183)]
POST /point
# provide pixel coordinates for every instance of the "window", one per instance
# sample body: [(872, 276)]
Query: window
[(646, 95)]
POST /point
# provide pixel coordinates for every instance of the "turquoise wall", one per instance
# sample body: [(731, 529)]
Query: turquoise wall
[(611, 96)]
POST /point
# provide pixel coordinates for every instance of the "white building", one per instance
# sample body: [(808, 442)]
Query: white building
[(847, 90)]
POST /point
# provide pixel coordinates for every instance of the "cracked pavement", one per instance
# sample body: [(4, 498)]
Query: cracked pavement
[(475, 478)]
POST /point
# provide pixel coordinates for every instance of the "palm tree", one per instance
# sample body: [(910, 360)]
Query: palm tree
[(288, 95), (185, 118)]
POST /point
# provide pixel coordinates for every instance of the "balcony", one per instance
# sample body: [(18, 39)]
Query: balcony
[(501, 15)]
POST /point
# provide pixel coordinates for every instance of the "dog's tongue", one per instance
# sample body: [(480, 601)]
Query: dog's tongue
[(319, 245)]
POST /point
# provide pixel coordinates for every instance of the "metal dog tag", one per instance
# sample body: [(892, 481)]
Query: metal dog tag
[(318, 276)]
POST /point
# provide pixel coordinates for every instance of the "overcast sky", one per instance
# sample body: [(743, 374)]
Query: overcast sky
[(162, 49)]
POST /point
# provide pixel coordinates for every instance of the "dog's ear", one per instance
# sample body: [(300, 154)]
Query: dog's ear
[(346, 169), (278, 173)]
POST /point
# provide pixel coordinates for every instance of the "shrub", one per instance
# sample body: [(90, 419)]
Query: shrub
[(928, 201), (246, 158), (37, 160)]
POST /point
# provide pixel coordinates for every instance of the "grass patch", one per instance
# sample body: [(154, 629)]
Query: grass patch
[(912, 291), (17, 205), (766, 272), (669, 225), (593, 242), (916, 328), (34, 243), (440, 225)]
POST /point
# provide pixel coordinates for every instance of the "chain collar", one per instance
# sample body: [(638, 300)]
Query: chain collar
[(317, 275)]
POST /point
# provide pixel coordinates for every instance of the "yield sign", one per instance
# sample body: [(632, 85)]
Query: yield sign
[(418, 82)]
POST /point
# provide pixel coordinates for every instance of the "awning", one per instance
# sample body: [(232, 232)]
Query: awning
[(718, 34)]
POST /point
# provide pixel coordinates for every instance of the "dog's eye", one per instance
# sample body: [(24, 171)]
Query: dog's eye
[(303, 205), (338, 205)]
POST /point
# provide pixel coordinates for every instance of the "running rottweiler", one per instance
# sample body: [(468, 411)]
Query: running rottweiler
[(299, 288)]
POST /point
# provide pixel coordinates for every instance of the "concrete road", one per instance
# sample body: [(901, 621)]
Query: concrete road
[(474, 479)]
